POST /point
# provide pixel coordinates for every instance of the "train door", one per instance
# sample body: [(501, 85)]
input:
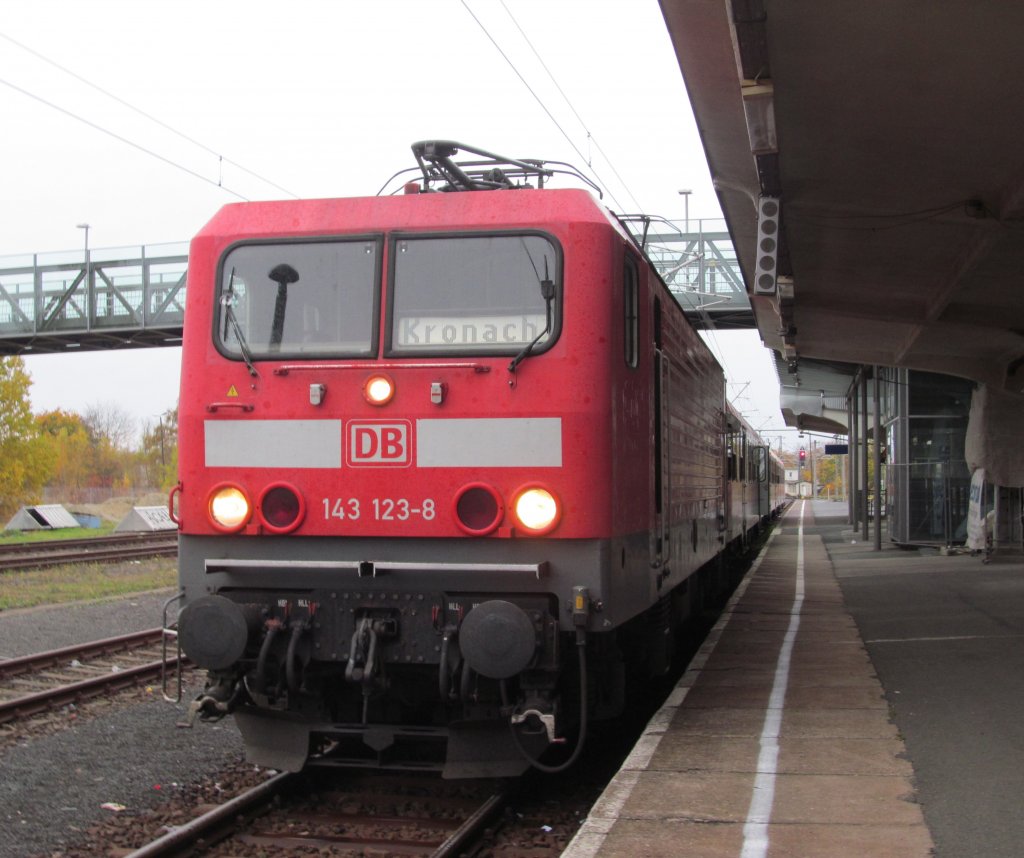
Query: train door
[(729, 477), (764, 484), (662, 471), (745, 489)]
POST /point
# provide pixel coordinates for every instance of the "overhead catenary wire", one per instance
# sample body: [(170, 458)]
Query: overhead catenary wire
[(157, 121), (719, 353), (713, 342), (539, 101), (575, 112), (124, 140)]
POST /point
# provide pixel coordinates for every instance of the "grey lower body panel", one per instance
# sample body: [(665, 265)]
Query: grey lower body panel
[(282, 741), (510, 566), (618, 573)]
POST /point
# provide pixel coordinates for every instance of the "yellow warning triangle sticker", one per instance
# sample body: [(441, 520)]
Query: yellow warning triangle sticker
[(232, 391)]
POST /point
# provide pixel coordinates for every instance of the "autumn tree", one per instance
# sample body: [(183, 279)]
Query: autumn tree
[(109, 422), (99, 449), (829, 476), (23, 450), (70, 451), (159, 453), (111, 433)]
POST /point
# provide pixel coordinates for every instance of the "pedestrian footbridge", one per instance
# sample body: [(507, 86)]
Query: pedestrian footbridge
[(132, 297), (103, 299)]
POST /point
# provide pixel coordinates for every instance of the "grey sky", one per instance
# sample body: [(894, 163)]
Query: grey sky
[(322, 99)]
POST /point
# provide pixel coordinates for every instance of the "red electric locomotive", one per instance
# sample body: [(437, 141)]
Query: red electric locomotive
[(450, 461)]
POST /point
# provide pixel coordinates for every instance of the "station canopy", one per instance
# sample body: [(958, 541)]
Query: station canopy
[(889, 135)]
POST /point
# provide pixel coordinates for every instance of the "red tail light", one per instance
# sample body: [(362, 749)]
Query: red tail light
[(281, 508), (478, 509)]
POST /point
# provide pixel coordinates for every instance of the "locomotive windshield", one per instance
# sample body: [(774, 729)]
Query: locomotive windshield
[(309, 298), (473, 294)]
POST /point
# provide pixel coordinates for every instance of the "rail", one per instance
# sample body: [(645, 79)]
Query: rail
[(56, 675), (100, 549), (259, 817)]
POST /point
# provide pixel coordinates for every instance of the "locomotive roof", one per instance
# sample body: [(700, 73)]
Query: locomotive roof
[(527, 209)]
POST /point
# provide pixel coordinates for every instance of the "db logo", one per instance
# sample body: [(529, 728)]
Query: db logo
[(378, 444)]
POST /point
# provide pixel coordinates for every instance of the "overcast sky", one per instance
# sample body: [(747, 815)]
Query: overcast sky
[(262, 100)]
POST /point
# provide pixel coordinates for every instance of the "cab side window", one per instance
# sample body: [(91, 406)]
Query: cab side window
[(631, 313)]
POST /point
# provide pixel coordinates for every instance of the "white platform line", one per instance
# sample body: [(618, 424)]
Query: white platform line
[(942, 639), (608, 807), (755, 830)]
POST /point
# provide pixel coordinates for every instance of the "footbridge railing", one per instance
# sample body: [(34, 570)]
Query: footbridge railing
[(129, 297), (101, 299)]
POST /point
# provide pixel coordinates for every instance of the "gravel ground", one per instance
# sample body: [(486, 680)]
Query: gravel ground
[(27, 630), (53, 787)]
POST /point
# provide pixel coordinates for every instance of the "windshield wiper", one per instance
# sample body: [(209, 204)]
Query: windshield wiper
[(547, 291), (230, 319)]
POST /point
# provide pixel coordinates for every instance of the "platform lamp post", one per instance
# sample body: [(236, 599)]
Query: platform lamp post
[(88, 291), (86, 227), (685, 194), (814, 474)]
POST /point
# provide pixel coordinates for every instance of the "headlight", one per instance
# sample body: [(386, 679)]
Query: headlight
[(229, 508), (537, 509), (378, 389)]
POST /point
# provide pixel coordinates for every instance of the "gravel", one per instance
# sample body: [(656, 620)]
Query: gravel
[(28, 630), (53, 787)]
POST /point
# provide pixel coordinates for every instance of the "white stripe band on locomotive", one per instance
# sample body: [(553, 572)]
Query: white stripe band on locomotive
[(273, 443), (509, 442)]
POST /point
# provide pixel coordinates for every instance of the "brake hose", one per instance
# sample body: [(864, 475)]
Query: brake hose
[(261, 662), (290, 666), (581, 648), (444, 679)]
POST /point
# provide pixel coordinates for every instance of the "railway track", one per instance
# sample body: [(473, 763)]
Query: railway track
[(45, 681), (99, 549), (368, 814)]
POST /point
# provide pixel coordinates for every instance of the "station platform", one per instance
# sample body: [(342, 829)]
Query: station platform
[(835, 710)]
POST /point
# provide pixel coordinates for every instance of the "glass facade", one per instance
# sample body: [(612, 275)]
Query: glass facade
[(925, 416)]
